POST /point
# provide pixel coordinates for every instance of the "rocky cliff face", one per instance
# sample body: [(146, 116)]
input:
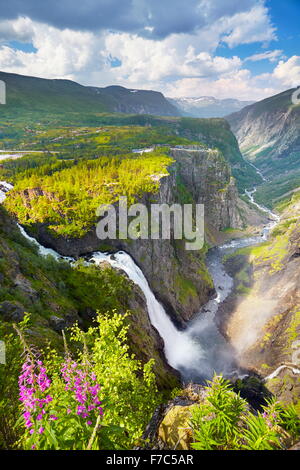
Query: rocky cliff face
[(264, 322), (178, 277), (209, 181), (128, 101)]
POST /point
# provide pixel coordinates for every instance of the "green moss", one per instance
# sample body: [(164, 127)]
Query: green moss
[(274, 251), (242, 289), (293, 331), (204, 274), (104, 247), (184, 288)]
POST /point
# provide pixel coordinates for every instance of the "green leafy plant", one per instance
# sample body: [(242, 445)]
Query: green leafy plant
[(98, 397), (225, 421), (215, 423)]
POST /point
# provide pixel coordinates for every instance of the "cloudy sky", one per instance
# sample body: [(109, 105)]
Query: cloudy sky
[(245, 49)]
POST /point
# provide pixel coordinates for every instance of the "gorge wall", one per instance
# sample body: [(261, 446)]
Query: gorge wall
[(179, 278), (263, 311), (268, 133), (57, 296)]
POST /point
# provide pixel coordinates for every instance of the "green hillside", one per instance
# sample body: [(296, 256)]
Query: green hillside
[(60, 96)]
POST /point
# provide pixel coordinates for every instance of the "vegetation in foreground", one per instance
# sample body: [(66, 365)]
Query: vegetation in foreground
[(95, 396), (225, 421)]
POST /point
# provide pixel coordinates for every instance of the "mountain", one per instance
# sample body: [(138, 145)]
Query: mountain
[(268, 133), (39, 94), (208, 106), (124, 100)]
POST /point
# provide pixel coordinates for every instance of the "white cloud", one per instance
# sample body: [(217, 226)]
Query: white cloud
[(272, 56), (288, 73), (145, 61), (178, 65), (242, 84), (60, 53), (20, 29), (248, 27)]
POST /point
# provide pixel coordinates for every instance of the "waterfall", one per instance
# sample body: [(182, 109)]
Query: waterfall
[(199, 350), (42, 250), (179, 347)]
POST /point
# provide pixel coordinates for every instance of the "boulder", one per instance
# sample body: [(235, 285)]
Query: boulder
[(11, 311), (175, 430)]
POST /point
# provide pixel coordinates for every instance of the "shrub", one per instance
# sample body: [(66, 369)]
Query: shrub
[(225, 421), (63, 398)]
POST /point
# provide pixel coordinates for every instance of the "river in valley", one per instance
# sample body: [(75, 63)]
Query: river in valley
[(200, 349)]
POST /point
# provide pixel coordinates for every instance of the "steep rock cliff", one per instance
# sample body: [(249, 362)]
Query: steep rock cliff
[(268, 133), (264, 322), (178, 277)]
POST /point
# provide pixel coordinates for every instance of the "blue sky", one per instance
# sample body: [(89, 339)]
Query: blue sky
[(246, 49), (284, 14)]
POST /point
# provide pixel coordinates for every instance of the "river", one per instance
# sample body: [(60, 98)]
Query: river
[(199, 350)]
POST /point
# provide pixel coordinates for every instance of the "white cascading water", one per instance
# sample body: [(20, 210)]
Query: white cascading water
[(42, 250), (179, 347), (4, 188), (257, 170)]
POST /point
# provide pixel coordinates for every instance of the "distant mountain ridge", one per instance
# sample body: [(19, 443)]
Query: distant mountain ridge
[(65, 95), (124, 100), (208, 106), (269, 131)]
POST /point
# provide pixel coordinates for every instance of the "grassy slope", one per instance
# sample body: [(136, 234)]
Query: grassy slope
[(20, 130), (46, 287)]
